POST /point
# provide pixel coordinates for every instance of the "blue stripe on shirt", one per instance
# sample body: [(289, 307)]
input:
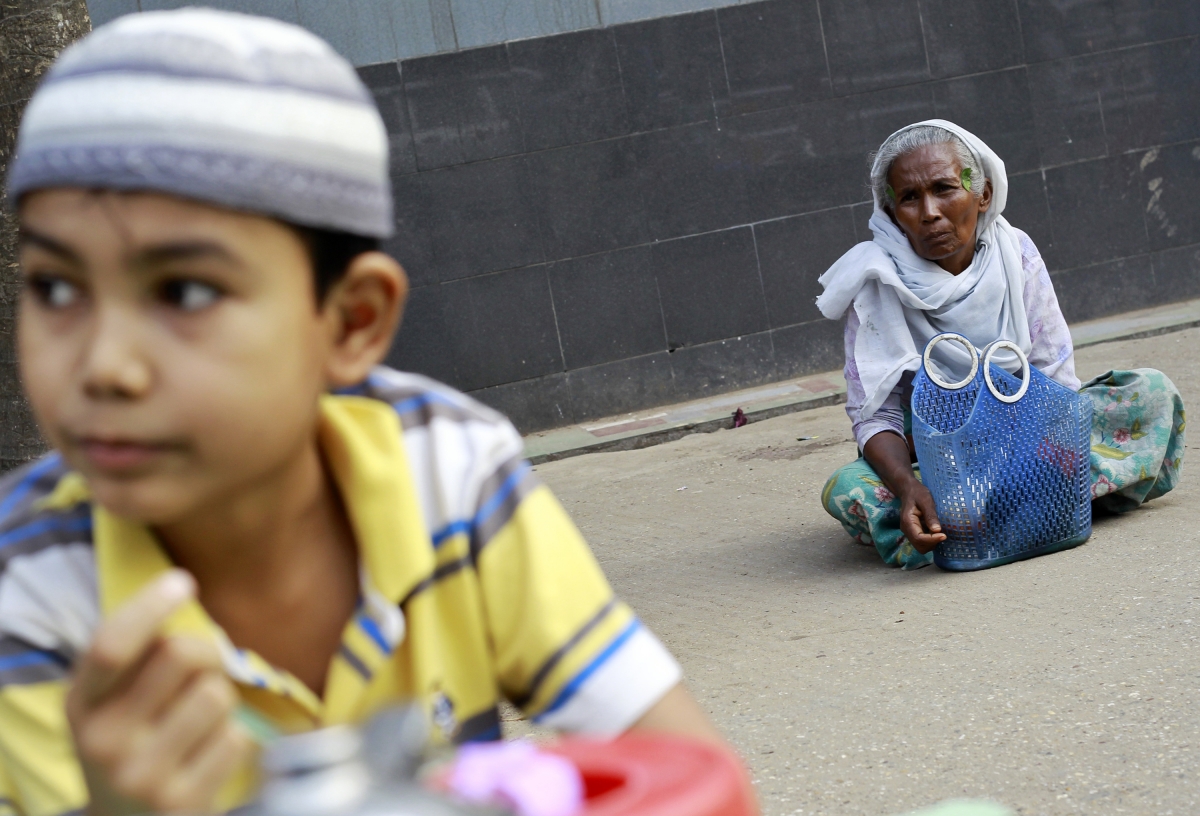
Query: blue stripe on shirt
[(578, 680), (503, 492), (26, 484), (420, 401), (73, 524), (26, 659), (372, 629), (463, 527), (450, 530), (493, 734)]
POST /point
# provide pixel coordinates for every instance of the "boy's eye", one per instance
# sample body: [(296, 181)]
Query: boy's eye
[(57, 293), (190, 295)]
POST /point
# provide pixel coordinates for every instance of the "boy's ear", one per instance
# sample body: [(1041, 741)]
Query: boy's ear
[(363, 309)]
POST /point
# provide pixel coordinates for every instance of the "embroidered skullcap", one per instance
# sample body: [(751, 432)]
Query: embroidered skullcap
[(240, 111)]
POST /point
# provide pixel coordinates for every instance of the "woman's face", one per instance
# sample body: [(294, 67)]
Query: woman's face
[(933, 208)]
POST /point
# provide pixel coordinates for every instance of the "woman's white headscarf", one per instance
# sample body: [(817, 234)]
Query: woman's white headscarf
[(903, 300)]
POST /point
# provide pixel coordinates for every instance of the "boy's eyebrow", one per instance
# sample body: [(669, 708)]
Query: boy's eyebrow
[(187, 250), (182, 250), (28, 236)]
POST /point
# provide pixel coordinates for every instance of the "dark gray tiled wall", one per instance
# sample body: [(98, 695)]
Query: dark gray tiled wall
[(611, 219)]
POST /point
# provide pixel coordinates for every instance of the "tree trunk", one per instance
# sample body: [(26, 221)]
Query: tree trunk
[(32, 33)]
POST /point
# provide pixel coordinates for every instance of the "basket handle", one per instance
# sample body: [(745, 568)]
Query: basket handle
[(988, 353), (937, 380)]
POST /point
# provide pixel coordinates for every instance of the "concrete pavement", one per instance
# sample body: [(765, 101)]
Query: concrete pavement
[(1065, 684)]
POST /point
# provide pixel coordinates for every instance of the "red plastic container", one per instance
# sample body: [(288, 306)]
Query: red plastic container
[(642, 775)]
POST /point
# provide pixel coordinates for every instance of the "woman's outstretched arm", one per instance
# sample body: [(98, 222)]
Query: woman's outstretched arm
[(888, 453)]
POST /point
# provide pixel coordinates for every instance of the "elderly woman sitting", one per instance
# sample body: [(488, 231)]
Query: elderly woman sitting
[(945, 260)]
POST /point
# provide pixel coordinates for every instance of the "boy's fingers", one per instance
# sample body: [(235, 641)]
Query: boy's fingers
[(170, 666), (198, 714), (191, 788), (123, 639)]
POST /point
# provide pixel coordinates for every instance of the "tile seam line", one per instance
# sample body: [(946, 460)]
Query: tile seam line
[(665, 351), (640, 188), (1181, 322), (1015, 66), (1116, 50), (762, 290), (833, 95), (1147, 255), (825, 45), (600, 446), (454, 25), (662, 315), (646, 244), (1016, 7), (750, 224), (1127, 152), (766, 307), (724, 63), (716, 121), (925, 40), (603, 25), (652, 243), (562, 355)]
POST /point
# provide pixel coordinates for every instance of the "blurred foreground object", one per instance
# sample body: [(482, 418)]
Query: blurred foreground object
[(644, 775), (32, 33), (340, 771), (518, 775), (343, 772), (640, 775)]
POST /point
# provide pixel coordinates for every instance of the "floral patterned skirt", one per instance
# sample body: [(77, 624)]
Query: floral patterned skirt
[(1137, 451)]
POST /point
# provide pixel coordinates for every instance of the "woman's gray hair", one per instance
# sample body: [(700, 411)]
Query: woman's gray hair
[(910, 140)]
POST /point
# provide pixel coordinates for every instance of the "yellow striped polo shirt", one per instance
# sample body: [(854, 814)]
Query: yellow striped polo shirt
[(475, 587)]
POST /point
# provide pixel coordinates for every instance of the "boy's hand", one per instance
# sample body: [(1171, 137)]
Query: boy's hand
[(150, 714)]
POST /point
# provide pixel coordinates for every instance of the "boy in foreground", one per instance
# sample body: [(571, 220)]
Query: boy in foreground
[(244, 511)]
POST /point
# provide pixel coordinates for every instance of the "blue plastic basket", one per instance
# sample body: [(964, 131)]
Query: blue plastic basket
[(1007, 460)]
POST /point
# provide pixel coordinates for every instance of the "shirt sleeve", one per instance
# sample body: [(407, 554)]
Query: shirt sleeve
[(567, 651), (889, 416), (8, 795), (39, 773), (1052, 351)]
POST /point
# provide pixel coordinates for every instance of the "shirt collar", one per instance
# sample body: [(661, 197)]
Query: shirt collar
[(363, 445)]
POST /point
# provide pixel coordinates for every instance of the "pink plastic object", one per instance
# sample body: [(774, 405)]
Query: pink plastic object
[(518, 775), (643, 775), (633, 775)]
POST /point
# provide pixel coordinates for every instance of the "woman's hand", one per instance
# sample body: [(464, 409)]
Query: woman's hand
[(151, 715), (918, 517), (891, 458)]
